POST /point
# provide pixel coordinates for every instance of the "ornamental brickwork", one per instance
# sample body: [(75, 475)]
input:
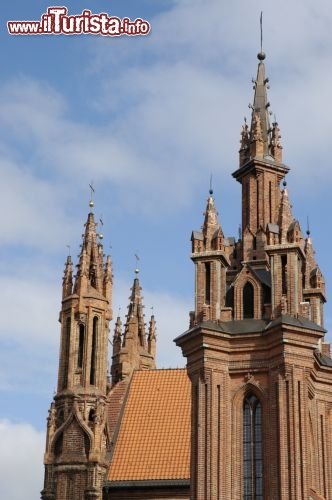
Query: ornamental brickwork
[(260, 370), (251, 417)]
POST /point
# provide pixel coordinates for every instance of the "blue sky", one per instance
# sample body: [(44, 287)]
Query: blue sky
[(148, 119)]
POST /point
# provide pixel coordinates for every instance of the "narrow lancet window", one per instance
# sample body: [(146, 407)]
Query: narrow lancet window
[(66, 352), (248, 301), (284, 273), (207, 282), (252, 449), (93, 351), (80, 346), (270, 200), (257, 204)]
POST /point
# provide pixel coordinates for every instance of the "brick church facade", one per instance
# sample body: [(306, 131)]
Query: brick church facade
[(251, 416)]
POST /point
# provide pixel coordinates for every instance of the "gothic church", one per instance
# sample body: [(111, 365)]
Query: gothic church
[(250, 418)]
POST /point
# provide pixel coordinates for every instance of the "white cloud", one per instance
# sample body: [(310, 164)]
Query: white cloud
[(32, 209), (196, 86), (31, 306), (21, 458), (176, 101), (171, 108)]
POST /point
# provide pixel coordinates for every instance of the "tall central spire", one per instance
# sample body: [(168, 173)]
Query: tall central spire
[(260, 113), (260, 141)]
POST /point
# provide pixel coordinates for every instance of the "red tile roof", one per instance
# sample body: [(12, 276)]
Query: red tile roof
[(153, 441), (116, 398)]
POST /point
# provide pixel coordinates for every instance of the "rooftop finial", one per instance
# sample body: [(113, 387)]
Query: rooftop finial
[(92, 190), (136, 268), (100, 235), (68, 246), (211, 190), (308, 226), (261, 54)]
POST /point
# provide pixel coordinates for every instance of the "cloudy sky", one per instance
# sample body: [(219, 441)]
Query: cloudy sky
[(148, 119)]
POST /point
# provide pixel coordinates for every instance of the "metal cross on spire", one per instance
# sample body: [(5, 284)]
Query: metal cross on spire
[(261, 26), (100, 235), (137, 260), (261, 55), (92, 191)]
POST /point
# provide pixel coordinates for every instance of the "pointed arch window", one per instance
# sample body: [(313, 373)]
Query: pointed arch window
[(248, 301), (66, 352), (252, 449), (80, 345), (207, 282), (284, 274), (94, 351)]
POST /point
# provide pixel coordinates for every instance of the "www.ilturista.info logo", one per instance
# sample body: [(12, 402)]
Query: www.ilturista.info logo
[(56, 21)]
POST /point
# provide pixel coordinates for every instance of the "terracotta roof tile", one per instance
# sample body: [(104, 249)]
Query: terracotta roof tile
[(116, 398), (154, 436)]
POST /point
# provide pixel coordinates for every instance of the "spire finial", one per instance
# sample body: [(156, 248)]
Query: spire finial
[(261, 55), (211, 189), (308, 226), (92, 190), (68, 246), (100, 235), (136, 268)]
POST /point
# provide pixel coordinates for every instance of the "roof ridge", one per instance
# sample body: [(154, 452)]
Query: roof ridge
[(159, 370)]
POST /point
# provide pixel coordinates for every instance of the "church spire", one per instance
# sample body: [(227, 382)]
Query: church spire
[(90, 269), (212, 232), (262, 141), (135, 350), (135, 317), (260, 123), (260, 163), (85, 314)]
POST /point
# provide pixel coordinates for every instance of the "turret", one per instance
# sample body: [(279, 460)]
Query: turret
[(85, 316), (211, 261), (314, 284), (76, 442), (133, 350)]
